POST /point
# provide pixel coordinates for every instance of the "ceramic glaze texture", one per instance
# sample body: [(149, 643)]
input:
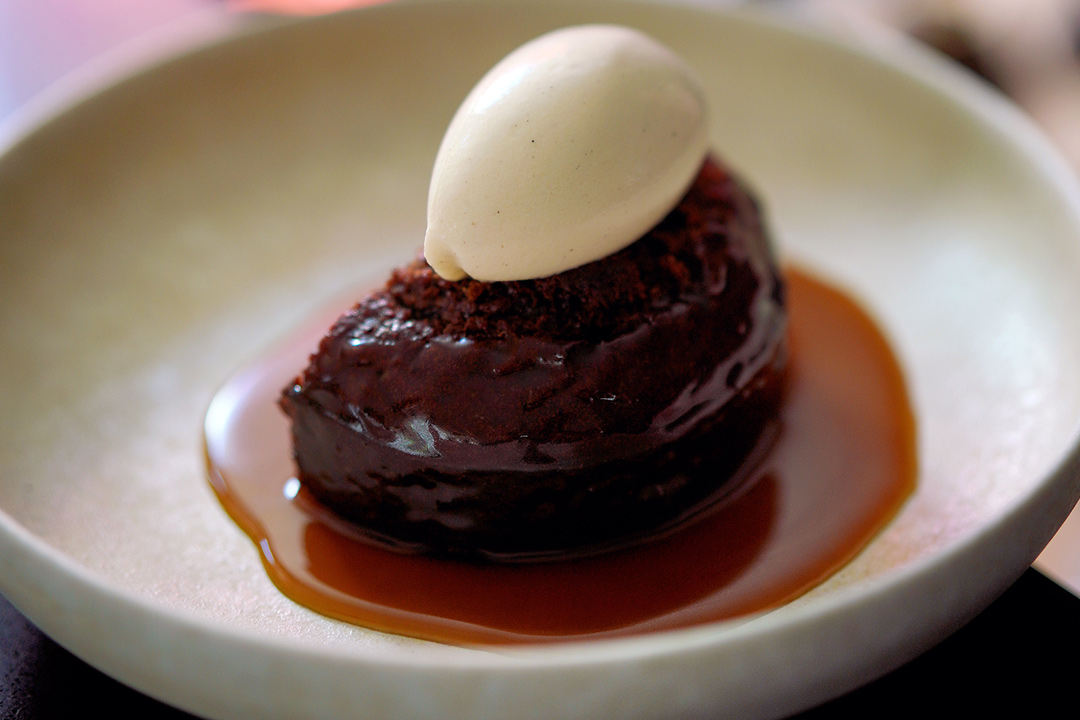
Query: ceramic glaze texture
[(194, 214)]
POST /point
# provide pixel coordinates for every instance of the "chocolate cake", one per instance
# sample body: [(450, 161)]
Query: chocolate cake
[(563, 414)]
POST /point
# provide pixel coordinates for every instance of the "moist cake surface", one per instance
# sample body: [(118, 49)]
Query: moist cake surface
[(529, 417)]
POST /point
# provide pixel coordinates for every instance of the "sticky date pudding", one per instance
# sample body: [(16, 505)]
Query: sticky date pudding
[(543, 415)]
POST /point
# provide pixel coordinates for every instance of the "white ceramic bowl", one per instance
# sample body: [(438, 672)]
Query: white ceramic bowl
[(164, 231)]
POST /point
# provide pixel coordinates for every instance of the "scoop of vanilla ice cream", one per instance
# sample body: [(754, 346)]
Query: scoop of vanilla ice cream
[(568, 150)]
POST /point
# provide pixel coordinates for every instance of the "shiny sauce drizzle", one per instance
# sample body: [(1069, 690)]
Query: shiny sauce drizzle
[(844, 464)]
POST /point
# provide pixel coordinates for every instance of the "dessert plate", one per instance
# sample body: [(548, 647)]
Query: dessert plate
[(165, 231)]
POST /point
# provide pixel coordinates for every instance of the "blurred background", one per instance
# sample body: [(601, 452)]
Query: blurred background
[(1028, 48)]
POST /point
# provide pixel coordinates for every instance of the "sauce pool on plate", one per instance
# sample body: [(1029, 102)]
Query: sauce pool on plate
[(841, 468)]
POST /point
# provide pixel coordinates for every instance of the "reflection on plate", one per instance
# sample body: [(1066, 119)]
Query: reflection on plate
[(164, 232)]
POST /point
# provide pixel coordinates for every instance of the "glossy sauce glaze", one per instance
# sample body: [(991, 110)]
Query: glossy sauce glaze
[(508, 420), (843, 465)]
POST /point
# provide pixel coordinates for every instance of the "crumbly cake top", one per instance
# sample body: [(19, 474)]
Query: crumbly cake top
[(681, 258)]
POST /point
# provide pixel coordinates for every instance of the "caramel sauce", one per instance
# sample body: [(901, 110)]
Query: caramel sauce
[(842, 467)]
